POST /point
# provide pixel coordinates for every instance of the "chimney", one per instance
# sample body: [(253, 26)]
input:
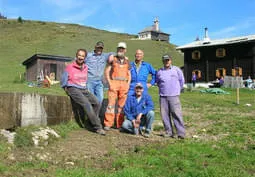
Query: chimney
[(156, 24), (206, 38)]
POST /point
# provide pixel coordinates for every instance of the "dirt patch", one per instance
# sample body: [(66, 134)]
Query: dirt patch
[(85, 145)]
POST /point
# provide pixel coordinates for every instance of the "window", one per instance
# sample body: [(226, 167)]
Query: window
[(196, 55), (198, 73), (220, 72), (237, 71), (220, 52)]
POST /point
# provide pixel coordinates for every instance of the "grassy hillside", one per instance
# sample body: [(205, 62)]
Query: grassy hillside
[(19, 41)]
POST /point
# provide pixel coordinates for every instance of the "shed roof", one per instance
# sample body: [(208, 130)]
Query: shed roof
[(45, 56), (226, 41), (152, 28)]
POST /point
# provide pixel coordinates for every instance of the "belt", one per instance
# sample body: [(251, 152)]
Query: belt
[(119, 78)]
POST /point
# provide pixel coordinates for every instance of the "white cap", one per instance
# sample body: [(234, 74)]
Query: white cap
[(122, 45), (139, 85)]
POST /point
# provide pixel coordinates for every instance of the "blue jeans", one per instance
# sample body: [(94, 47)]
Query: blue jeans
[(96, 88), (146, 121)]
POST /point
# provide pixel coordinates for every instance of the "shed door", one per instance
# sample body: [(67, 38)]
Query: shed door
[(53, 71), (50, 70)]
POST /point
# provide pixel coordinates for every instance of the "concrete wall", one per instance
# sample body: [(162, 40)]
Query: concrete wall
[(23, 109)]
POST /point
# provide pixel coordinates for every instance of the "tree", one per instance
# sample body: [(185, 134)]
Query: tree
[(20, 20), (2, 16)]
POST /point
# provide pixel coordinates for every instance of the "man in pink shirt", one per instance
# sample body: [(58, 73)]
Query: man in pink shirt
[(74, 81)]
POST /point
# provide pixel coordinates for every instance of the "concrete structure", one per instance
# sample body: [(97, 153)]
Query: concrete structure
[(154, 33), (211, 59), (23, 109)]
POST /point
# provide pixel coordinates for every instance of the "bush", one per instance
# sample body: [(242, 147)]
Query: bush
[(20, 20), (23, 137), (2, 16), (20, 78)]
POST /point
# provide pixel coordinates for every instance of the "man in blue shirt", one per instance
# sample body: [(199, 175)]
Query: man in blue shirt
[(96, 62), (139, 112), (140, 70)]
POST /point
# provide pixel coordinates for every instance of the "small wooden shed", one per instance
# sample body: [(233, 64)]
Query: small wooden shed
[(40, 65)]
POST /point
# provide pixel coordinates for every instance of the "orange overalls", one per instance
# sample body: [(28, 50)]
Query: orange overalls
[(117, 90)]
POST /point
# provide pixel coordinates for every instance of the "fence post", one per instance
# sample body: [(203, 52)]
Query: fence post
[(237, 95)]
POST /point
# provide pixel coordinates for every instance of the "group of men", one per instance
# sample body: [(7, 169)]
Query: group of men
[(83, 82)]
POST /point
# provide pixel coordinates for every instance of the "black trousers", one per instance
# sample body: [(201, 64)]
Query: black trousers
[(89, 103)]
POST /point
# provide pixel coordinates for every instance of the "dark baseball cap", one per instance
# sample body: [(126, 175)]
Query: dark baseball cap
[(166, 57), (100, 44)]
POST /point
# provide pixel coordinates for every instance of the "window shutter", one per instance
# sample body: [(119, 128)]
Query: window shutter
[(224, 72), (217, 73), (240, 71), (199, 74), (233, 72)]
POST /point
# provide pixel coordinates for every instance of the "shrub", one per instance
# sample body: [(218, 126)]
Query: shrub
[(20, 78), (23, 137), (20, 20)]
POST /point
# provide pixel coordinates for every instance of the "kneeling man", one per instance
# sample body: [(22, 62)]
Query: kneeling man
[(139, 112)]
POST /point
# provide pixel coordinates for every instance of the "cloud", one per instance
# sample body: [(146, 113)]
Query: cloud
[(69, 11), (78, 16), (243, 27), (65, 4), (114, 29)]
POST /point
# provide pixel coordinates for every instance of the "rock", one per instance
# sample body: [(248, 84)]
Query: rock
[(41, 136), (195, 136), (11, 157), (69, 163), (9, 135)]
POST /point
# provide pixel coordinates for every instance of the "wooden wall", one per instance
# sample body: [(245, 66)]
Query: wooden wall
[(237, 55)]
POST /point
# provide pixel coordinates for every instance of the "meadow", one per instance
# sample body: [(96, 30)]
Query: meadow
[(219, 142), (220, 133)]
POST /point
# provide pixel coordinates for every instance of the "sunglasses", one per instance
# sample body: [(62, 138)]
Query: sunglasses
[(138, 88), (166, 60)]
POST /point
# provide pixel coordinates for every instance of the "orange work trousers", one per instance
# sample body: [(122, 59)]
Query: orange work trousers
[(118, 91)]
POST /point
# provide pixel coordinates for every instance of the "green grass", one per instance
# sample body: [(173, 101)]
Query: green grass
[(187, 158), (225, 145)]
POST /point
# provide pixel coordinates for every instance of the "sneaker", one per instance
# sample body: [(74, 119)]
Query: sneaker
[(100, 132), (166, 135), (146, 135), (122, 129), (141, 131), (180, 137), (107, 128), (136, 131)]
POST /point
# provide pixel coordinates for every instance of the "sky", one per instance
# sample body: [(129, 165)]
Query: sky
[(184, 20)]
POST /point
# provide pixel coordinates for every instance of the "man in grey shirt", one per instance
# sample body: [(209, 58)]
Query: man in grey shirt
[(96, 62)]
